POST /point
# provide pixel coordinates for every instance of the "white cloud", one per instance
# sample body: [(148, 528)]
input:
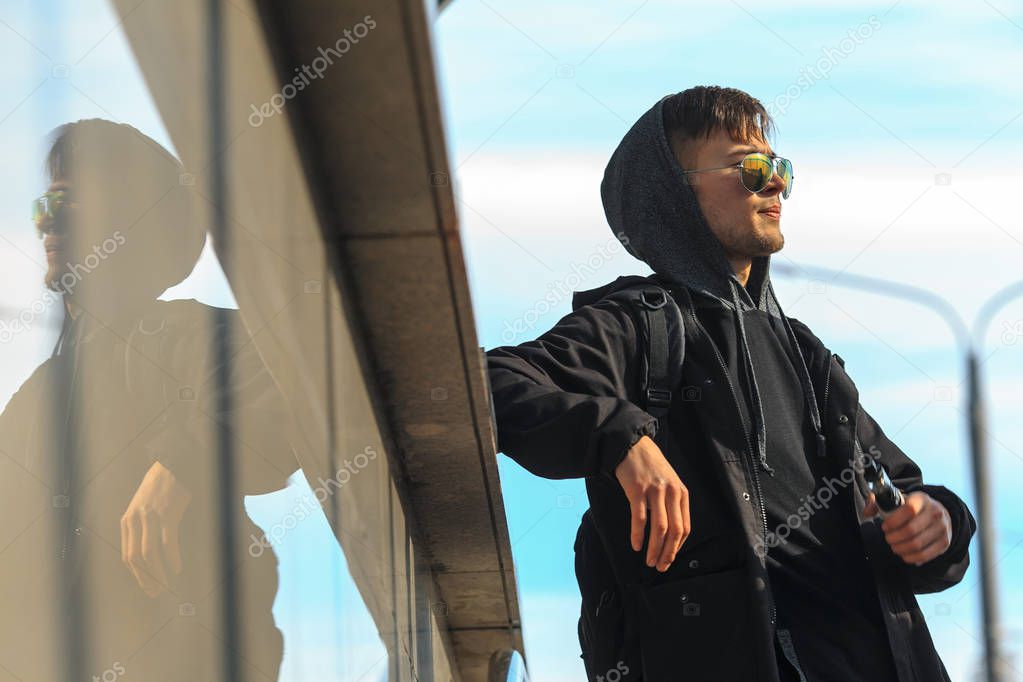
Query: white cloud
[(533, 214)]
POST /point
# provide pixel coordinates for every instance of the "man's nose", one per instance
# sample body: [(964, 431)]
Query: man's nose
[(56, 225), (775, 186), (46, 226)]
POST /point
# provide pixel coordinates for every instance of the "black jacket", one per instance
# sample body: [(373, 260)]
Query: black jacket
[(567, 406)]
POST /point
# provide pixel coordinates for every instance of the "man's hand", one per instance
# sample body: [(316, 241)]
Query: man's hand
[(149, 529), (917, 531), (655, 492)]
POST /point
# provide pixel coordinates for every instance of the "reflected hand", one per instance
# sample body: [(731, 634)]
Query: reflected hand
[(149, 529), (917, 531), (654, 490)]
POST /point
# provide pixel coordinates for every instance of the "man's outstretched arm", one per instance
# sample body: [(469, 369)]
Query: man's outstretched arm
[(561, 401), (563, 411), (181, 440)]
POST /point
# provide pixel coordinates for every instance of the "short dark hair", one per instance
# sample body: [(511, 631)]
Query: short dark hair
[(699, 112)]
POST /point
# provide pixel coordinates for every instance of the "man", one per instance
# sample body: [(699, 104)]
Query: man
[(734, 539), (120, 420)]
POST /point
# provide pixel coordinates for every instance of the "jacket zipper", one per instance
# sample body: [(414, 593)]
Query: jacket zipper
[(749, 445), (69, 524), (827, 385)]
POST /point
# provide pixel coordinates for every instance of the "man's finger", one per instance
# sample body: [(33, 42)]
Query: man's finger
[(658, 524), (687, 525), (930, 548), (915, 526), (172, 548), (639, 512), (132, 553), (903, 515), (129, 532), (870, 509), (673, 538), (125, 541), (916, 544), (152, 551)]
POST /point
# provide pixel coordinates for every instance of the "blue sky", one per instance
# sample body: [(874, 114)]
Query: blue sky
[(535, 98)]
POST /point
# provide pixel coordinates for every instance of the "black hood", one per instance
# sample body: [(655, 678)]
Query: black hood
[(654, 212)]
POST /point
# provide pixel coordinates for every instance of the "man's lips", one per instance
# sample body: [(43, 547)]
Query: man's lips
[(774, 211)]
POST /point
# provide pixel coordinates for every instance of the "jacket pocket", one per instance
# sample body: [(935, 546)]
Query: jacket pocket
[(697, 628), (602, 636), (602, 626)]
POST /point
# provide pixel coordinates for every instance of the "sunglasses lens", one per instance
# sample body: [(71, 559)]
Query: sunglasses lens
[(49, 206), (785, 170), (756, 172), (48, 213)]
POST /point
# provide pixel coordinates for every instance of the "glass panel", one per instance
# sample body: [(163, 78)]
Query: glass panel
[(183, 419)]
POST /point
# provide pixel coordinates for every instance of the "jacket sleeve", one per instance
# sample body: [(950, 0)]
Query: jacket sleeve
[(947, 569), (184, 437), (562, 401)]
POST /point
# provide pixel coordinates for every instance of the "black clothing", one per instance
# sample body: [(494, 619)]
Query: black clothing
[(566, 405), (131, 410), (818, 573)]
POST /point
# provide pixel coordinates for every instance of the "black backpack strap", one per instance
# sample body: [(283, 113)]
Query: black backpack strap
[(661, 321), (656, 306)]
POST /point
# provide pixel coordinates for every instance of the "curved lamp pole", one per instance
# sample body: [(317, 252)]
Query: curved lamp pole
[(971, 344), (982, 475)]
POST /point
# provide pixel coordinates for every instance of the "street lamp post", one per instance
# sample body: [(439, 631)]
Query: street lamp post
[(981, 477)]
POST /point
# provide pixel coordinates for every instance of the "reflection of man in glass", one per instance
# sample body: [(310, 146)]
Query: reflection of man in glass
[(138, 425)]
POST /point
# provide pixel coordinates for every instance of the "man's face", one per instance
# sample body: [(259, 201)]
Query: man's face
[(56, 240), (737, 217)]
